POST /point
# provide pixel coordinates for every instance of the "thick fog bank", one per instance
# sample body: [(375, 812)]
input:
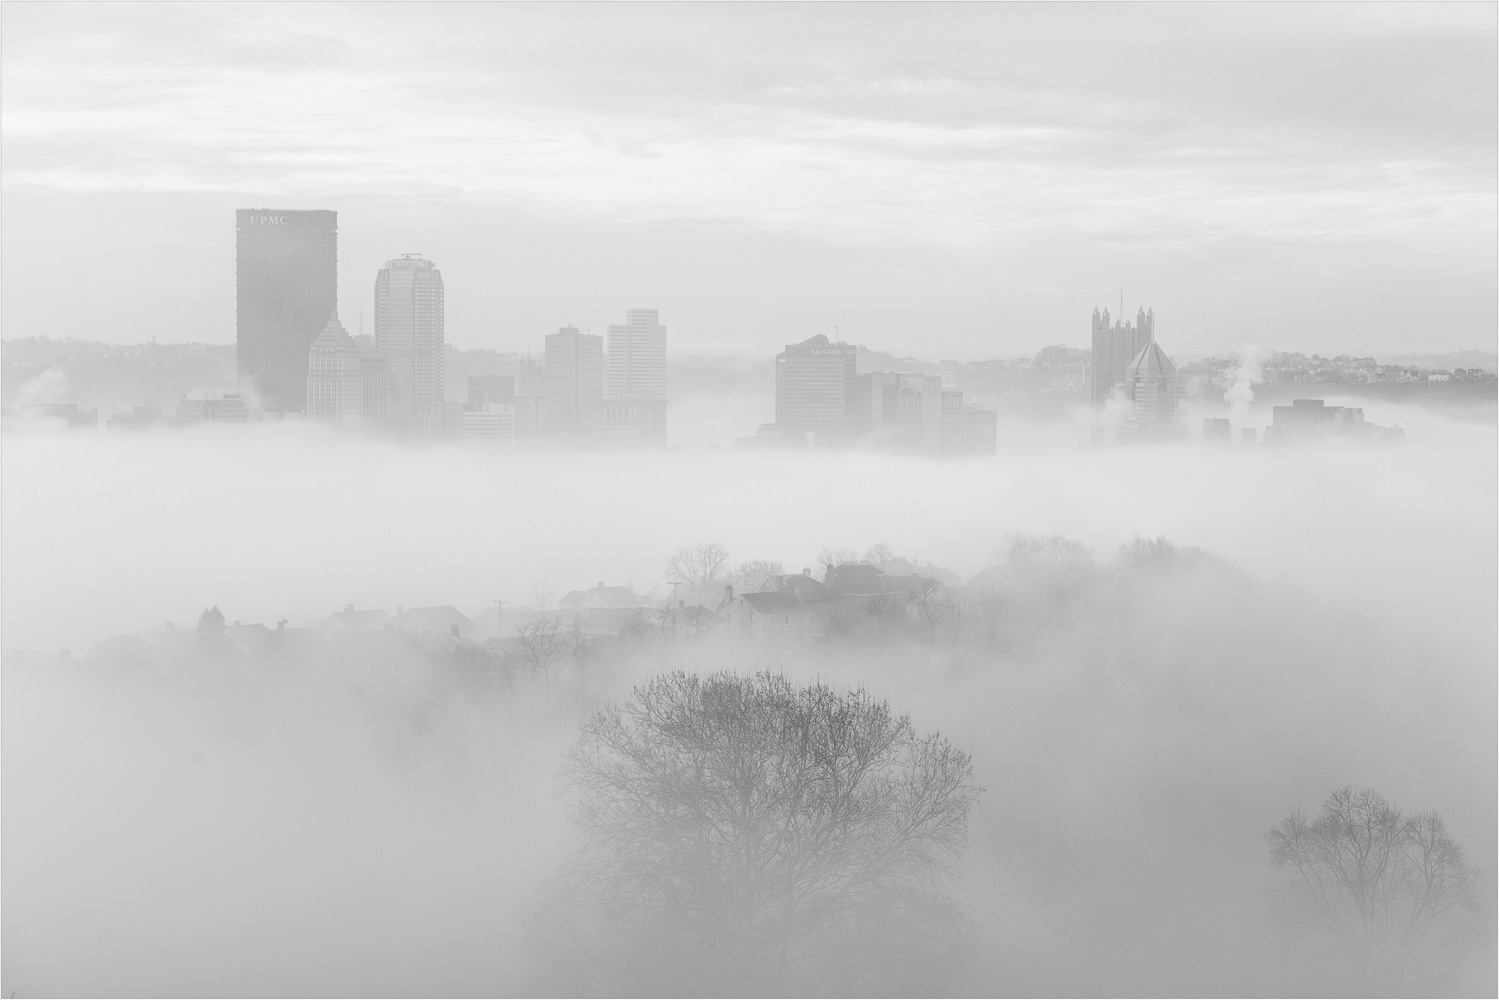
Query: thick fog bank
[(106, 534), (208, 820)]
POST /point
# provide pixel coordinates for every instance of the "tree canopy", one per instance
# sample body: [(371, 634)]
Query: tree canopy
[(747, 835), (1384, 889)]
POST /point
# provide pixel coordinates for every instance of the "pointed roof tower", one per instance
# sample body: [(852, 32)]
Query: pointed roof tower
[(334, 337), (1151, 362)]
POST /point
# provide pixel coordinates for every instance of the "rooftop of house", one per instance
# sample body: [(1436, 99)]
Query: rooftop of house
[(600, 597)]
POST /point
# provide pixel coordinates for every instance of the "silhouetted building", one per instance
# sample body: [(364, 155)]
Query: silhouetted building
[(915, 412), (1114, 348), (335, 378), (286, 285), (636, 367), (382, 393), (409, 327), (816, 392), (1311, 419), (212, 406), (1216, 430), (634, 411), (68, 413), (574, 387), (140, 417), (489, 423), (491, 389), (1157, 396), (632, 423), (437, 421)]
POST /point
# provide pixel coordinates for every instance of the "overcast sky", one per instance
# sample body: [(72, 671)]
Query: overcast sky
[(959, 180)]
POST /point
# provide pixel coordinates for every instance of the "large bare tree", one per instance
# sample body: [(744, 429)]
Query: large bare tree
[(698, 565), (1374, 885), (749, 836)]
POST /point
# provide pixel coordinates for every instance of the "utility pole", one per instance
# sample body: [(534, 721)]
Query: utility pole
[(499, 612)]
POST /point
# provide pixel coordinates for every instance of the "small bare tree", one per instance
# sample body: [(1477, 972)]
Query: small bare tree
[(745, 835), (879, 555), (539, 646), (829, 556), (752, 573), (1377, 885), (542, 594), (699, 566)]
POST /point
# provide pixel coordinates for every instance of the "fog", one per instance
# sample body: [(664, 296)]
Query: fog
[(348, 827)]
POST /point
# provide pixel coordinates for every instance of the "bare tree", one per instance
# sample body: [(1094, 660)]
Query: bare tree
[(745, 835), (1056, 553), (540, 645), (1376, 885), (542, 594), (699, 566), (879, 555), (828, 556), (933, 606), (754, 572)]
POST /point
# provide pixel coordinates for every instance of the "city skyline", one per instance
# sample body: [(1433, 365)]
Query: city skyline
[(922, 196)]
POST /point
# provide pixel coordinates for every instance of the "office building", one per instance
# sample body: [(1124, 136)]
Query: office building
[(636, 367), (1157, 397), (335, 378), (286, 286), (1217, 430), (212, 406), (1312, 419), (409, 328), (574, 387), (1114, 348), (634, 412), (816, 392), (632, 423), (916, 412), (488, 424), (491, 389)]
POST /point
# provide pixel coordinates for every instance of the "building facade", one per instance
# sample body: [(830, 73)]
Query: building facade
[(489, 424), (632, 423), (409, 329), (634, 410), (286, 286), (1114, 347), (574, 389), (816, 392), (636, 366), (335, 377)]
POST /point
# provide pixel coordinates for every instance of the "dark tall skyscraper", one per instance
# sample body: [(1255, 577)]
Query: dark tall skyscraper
[(286, 266)]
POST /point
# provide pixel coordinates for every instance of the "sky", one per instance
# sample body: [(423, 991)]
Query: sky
[(945, 180)]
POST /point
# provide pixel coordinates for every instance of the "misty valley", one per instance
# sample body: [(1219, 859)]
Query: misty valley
[(812, 769)]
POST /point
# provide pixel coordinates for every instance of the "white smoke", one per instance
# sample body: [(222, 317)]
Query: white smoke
[(1246, 375), (48, 387)]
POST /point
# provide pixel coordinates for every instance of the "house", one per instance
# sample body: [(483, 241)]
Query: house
[(349, 622), (599, 597), (775, 617), (442, 620), (609, 621), (688, 621)]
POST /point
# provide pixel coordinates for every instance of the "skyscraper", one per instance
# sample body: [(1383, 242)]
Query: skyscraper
[(634, 412), (286, 287), (637, 357), (1114, 347), (574, 372), (816, 392), (409, 328), (335, 377)]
